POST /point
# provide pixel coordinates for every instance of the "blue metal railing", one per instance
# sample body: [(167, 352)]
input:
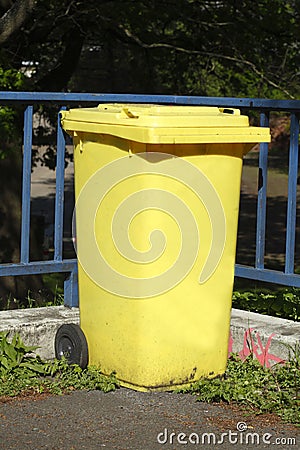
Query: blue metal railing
[(69, 266)]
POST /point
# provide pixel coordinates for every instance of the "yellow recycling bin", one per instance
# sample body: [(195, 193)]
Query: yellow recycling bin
[(157, 195)]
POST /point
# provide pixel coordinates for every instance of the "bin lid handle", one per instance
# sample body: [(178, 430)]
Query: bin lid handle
[(128, 113)]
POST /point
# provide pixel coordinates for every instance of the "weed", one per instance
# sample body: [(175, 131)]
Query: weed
[(21, 371), (284, 303), (16, 357), (52, 294), (257, 388), (31, 302), (247, 383)]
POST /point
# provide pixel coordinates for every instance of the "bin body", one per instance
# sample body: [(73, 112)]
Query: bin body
[(167, 337)]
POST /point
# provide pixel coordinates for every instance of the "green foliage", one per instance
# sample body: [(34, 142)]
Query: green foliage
[(214, 48), (258, 389), (66, 377), (11, 79), (245, 382), (55, 282), (182, 47), (10, 302), (7, 117), (23, 371), (16, 358), (284, 303)]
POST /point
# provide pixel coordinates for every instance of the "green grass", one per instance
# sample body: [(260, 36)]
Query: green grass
[(55, 283), (52, 294), (21, 371), (30, 302), (246, 383), (256, 388)]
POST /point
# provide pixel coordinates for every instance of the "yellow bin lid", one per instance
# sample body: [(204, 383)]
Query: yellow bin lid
[(165, 124)]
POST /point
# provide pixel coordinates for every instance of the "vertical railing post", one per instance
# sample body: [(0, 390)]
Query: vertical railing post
[(26, 185), (262, 198), (71, 290), (292, 196), (71, 282), (59, 193)]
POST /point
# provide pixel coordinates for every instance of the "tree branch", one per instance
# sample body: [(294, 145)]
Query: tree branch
[(209, 54), (12, 20)]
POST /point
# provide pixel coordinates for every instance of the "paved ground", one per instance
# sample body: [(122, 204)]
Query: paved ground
[(128, 420)]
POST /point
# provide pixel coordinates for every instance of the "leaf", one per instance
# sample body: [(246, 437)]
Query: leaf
[(11, 352), (4, 362), (33, 366)]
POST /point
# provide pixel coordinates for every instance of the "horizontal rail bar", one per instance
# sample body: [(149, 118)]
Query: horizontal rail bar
[(66, 98), (267, 275), (38, 267)]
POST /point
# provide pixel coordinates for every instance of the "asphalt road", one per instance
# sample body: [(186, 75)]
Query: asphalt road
[(128, 420)]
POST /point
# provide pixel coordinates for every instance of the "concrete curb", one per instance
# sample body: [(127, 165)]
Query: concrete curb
[(38, 326), (270, 338)]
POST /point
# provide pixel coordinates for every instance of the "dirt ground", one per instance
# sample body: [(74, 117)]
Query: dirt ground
[(129, 420)]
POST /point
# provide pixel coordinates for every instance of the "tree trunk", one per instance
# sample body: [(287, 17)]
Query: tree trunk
[(12, 20)]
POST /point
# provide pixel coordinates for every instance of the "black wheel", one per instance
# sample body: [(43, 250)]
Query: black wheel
[(70, 342)]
